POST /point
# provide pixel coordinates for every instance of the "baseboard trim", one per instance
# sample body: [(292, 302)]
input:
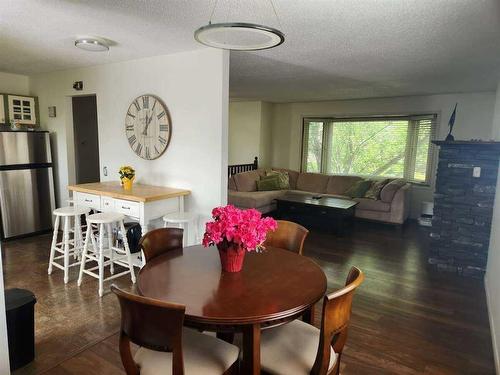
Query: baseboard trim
[(496, 354)]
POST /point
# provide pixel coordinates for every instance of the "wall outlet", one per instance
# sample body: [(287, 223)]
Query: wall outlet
[(476, 172), (105, 171)]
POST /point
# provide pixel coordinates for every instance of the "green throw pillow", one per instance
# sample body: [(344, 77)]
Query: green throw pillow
[(359, 189), (376, 187), (284, 178), (268, 183)]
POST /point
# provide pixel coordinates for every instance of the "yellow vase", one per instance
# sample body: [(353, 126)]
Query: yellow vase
[(127, 183)]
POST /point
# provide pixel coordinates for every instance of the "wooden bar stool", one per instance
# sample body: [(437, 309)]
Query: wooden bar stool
[(183, 220), (103, 254), (68, 246)]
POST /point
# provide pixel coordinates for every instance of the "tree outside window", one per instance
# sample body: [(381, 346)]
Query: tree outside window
[(382, 147)]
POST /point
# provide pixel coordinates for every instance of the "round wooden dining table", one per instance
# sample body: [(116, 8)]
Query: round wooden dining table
[(273, 288)]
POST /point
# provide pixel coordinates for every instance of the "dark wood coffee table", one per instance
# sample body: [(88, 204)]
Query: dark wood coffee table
[(334, 213)]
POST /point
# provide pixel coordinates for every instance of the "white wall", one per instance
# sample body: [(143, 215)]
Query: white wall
[(250, 132), (492, 279), (194, 86), (14, 83), (244, 131), (474, 120), (266, 122), (4, 345)]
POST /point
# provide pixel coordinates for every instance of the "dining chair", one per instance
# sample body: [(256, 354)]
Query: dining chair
[(300, 348), (160, 241), (165, 346), (288, 235)]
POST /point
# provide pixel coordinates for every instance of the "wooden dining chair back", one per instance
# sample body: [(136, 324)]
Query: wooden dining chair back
[(288, 235), (160, 241), (151, 324), (335, 322)]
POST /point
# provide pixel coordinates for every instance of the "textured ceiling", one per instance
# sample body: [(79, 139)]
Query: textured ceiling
[(334, 49)]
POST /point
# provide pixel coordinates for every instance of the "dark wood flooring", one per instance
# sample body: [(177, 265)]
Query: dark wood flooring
[(407, 318)]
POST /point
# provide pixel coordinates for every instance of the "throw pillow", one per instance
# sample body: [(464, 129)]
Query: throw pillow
[(268, 183), (359, 189), (375, 188), (283, 177)]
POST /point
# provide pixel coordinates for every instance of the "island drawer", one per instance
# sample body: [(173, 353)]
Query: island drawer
[(88, 200), (127, 207)]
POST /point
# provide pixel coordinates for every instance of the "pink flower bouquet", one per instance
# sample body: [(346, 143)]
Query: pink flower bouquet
[(236, 231)]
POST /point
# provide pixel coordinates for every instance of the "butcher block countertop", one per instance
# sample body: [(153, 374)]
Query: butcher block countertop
[(138, 193)]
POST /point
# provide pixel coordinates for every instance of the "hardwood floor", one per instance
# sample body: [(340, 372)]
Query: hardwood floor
[(407, 318)]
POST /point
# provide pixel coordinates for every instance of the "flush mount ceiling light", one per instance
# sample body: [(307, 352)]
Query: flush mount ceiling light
[(239, 36), (91, 44)]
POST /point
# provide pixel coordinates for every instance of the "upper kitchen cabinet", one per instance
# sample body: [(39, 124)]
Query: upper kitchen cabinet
[(19, 107)]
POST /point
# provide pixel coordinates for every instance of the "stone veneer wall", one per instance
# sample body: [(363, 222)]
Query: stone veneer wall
[(463, 206)]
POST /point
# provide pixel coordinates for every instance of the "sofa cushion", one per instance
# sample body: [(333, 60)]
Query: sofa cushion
[(314, 182), (247, 181), (359, 189), (389, 190), (372, 205), (376, 187), (310, 194), (231, 185), (253, 199), (293, 176), (340, 184), (302, 192)]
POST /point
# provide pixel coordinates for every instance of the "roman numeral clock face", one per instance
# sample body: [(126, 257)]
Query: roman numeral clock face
[(148, 127)]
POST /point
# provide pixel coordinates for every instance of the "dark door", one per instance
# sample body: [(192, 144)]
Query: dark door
[(86, 139)]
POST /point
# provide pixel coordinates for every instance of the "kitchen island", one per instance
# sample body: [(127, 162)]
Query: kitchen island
[(143, 203)]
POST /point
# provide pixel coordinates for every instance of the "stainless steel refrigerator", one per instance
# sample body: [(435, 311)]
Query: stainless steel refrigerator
[(26, 183)]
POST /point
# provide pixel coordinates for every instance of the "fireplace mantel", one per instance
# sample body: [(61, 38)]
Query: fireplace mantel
[(492, 144)]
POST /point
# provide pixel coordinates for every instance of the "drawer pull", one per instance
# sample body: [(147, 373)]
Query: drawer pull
[(88, 200), (126, 208)]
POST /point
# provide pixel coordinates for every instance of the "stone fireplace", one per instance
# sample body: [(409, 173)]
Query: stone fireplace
[(463, 206)]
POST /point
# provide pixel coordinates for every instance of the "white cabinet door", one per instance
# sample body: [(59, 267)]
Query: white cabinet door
[(107, 204), (22, 108)]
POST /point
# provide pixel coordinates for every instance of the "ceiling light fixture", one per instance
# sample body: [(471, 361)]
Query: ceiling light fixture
[(239, 36), (91, 44)]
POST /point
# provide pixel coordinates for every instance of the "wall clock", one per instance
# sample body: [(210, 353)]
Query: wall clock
[(148, 126)]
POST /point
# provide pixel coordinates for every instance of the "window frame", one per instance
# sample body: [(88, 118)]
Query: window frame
[(431, 152)]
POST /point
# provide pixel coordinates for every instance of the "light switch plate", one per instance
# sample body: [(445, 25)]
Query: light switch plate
[(476, 172), (52, 111)]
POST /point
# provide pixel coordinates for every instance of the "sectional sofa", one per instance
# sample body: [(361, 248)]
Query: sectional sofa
[(392, 207)]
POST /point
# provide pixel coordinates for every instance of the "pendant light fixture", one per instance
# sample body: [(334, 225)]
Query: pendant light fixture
[(239, 36)]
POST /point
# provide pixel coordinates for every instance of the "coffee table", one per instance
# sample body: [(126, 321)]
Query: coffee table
[(334, 213)]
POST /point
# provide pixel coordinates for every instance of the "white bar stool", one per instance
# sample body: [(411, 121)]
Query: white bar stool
[(100, 252), (67, 246), (182, 220)]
